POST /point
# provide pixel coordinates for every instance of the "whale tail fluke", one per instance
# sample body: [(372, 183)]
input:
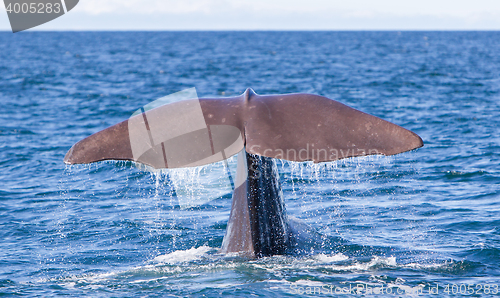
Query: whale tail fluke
[(194, 132)]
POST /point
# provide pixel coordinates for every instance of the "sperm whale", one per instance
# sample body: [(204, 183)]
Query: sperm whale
[(295, 127)]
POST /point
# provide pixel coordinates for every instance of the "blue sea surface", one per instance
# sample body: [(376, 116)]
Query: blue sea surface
[(423, 222)]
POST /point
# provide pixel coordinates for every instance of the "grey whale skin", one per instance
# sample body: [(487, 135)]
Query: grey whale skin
[(296, 127)]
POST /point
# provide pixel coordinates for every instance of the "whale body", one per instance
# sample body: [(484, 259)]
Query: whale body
[(295, 127), (258, 223)]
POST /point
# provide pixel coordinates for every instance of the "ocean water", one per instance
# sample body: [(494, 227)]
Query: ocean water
[(418, 224)]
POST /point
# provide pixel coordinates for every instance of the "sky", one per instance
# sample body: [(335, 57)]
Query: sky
[(276, 15)]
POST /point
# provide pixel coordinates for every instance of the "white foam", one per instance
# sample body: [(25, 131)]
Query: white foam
[(330, 258), (376, 261), (309, 283), (390, 261), (426, 266), (183, 256)]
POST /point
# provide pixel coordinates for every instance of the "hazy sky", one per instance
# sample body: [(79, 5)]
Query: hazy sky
[(276, 15)]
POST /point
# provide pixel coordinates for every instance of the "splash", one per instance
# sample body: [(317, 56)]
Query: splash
[(199, 185)]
